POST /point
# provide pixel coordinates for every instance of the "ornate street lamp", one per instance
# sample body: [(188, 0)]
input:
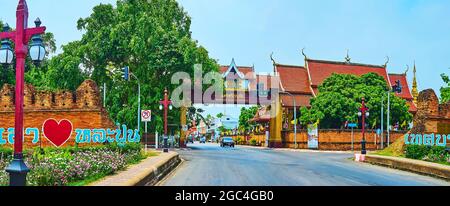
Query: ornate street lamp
[(363, 113), (18, 169), (165, 105)]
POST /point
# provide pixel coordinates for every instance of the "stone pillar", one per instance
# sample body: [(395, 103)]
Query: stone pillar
[(276, 124)]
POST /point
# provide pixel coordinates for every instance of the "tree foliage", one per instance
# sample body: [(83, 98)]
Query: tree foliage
[(340, 98), (154, 39), (246, 115), (445, 90)]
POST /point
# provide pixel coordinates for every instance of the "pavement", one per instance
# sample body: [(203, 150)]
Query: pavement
[(211, 165), (147, 172)]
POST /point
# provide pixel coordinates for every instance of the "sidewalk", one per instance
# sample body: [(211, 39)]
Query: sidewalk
[(411, 165), (146, 173)]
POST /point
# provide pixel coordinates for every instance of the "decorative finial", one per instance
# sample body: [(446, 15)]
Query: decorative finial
[(387, 61), (407, 69), (273, 60), (347, 58), (415, 90), (303, 53), (6, 27), (37, 22)]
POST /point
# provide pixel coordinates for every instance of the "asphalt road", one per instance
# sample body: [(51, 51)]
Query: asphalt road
[(211, 165)]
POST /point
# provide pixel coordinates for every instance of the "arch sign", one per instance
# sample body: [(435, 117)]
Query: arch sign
[(59, 132)]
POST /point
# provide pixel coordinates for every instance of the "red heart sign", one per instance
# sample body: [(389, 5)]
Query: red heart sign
[(57, 133)]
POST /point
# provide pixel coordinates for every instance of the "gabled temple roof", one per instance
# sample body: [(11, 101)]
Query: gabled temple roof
[(406, 93), (319, 70), (294, 79), (244, 72)]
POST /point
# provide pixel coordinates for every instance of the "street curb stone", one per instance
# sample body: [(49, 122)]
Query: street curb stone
[(147, 173), (416, 166)]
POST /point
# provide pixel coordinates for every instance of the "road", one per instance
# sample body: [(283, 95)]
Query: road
[(211, 165)]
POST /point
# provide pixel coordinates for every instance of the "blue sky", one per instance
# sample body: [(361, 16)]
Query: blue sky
[(249, 30)]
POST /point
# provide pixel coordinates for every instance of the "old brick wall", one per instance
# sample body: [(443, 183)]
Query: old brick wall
[(83, 108), (340, 140), (431, 116)]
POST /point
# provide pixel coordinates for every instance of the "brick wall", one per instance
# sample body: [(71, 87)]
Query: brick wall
[(338, 140), (83, 108)]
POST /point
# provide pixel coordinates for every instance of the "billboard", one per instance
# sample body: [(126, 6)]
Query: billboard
[(313, 136)]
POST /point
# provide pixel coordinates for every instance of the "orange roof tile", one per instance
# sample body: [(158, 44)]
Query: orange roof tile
[(294, 79), (406, 93), (300, 100), (321, 70)]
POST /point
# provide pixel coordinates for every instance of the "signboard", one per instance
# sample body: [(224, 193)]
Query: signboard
[(427, 139), (146, 115), (313, 136), (352, 125), (59, 132)]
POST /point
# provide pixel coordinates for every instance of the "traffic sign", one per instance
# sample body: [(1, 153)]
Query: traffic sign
[(352, 125), (146, 115)]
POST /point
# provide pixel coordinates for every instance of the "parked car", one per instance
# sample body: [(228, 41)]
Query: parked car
[(227, 142), (203, 140)]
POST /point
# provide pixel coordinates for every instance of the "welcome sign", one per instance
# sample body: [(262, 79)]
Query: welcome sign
[(59, 132), (427, 139)]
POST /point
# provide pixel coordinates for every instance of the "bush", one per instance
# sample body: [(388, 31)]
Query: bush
[(417, 152), (253, 142), (427, 153), (53, 166)]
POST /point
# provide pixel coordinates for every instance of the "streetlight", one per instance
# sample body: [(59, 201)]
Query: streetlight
[(363, 113), (295, 118), (21, 36), (165, 104), (126, 77), (397, 88)]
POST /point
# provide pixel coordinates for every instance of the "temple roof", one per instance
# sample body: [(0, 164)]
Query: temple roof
[(294, 79), (406, 93), (319, 70), (244, 72)]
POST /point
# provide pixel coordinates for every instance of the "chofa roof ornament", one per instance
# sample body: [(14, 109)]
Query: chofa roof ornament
[(347, 58), (303, 53), (387, 62)]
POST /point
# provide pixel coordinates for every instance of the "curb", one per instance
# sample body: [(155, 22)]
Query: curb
[(296, 150), (147, 173), (410, 165)]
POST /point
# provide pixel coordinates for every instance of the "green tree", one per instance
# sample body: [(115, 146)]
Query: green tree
[(245, 116), (340, 97), (153, 38), (445, 90)]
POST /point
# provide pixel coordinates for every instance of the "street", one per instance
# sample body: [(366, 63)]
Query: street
[(211, 165)]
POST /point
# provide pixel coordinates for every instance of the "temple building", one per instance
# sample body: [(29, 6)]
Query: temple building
[(303, 81)]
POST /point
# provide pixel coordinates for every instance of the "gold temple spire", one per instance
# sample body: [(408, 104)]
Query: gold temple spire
[(415, 91)]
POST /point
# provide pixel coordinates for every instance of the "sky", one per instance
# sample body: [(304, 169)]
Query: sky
[(407, 31)]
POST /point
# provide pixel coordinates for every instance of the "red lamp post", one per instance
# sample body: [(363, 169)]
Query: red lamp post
[(165, 104), (363, 113), (18, 169)]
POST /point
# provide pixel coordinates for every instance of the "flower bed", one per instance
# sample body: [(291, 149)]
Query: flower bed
[(73, 166)]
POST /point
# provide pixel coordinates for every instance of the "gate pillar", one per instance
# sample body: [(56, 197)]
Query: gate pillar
[(276, 124), (183, 123)]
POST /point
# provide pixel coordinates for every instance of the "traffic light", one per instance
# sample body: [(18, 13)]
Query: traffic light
[(397, 87), (126, 73)]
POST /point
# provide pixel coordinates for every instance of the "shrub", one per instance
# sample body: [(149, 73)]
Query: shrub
[(417, 152), (253, 142), (427, 153)]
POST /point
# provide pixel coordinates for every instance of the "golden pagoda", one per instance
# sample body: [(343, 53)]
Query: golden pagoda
[(415, 91)]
